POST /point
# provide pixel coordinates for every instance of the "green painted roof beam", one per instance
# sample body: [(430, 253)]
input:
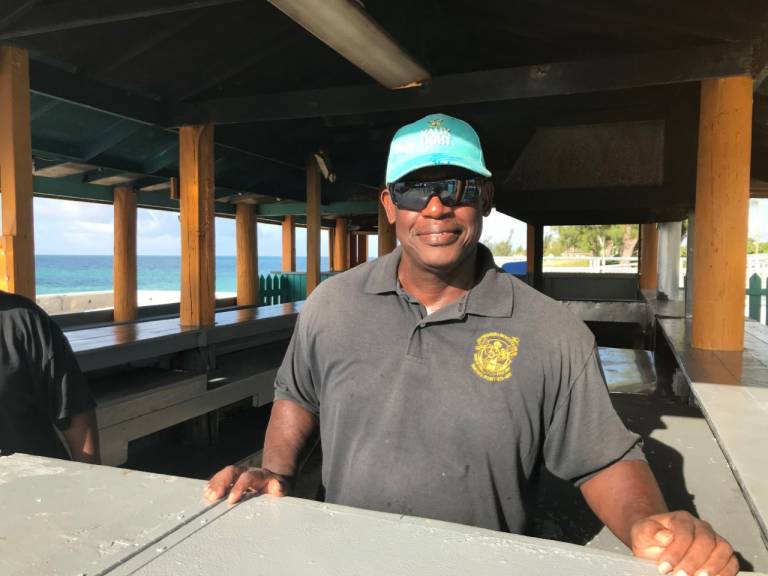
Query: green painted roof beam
[(75, 189), (300, 208)]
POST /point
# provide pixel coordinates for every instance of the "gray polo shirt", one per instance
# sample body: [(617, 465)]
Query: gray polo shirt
[(448, 415)]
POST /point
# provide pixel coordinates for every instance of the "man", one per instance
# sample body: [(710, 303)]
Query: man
[(41, 386), (439, 383)]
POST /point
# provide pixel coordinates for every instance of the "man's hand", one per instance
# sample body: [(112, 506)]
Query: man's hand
[(684, 545), (238, 480), (82, 438)]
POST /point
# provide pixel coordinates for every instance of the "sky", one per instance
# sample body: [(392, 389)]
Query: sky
[(70, 227)]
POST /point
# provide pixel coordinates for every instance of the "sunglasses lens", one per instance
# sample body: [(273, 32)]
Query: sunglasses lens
[(416, 195)]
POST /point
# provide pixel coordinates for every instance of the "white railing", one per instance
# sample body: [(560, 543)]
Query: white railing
[(756, 264), (590, 264)]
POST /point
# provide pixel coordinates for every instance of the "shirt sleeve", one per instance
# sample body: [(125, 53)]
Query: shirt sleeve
[(67, 390), (586, 435), (295, 379)]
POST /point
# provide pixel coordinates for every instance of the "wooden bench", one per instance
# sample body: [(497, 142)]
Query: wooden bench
[(129, 366), (142, 401), (134, 404)]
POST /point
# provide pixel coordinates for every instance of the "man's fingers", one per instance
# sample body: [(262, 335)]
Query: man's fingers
[(701, 548), (718, 561), (650, 539), (683, 528), (234, 481), (731, 568), (221, 482)]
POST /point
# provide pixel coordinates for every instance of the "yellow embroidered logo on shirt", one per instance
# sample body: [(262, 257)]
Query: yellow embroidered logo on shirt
[(493, 357)]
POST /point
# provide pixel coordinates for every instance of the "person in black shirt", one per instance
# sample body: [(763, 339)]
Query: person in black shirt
[(42, 389)]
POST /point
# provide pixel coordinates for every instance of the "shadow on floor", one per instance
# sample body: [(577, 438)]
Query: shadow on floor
[(559, 511)]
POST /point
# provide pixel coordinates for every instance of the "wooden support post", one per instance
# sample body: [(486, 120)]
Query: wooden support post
[(198, 280), (341, 245), (722, 206), (649, 256), (538, 263), (247, 256), (362, 248), (352, 243), (386, 233), (289, 244), (313, 224), (531, 248), (124, 259), (17, 252), (331, 255)]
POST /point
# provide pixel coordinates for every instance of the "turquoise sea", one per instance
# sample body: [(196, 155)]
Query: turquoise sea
[(62, 274)]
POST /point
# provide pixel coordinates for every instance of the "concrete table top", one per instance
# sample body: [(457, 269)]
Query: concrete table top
[(289, 536), (731, 388), (65, 518)]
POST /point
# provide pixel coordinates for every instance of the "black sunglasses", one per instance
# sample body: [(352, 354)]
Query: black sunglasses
[(416, 195)]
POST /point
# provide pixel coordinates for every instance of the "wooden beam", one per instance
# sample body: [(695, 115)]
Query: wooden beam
[(314, 186), (341, 245), (538, 263), (387, 236), (552, 79), (530, 248), (17, 264), (289, 244), (116, 133), (197, 225), (78, 88), (331, 252), (247, 256), (352, 249), (353, 208), (649, 256), (124, 260), (722, 208), (164, 158), (75, 14), (362, 248), (22, 7)]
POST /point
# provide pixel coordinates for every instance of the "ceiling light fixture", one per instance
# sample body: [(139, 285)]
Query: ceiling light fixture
[(349, 30)]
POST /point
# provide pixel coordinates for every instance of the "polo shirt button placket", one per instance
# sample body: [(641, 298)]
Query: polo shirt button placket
[(414, 345)]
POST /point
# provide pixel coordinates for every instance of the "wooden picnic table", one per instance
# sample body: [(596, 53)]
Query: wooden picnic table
[(113, 345)]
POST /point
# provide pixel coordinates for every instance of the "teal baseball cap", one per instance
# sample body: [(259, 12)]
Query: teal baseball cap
[(435, 140)]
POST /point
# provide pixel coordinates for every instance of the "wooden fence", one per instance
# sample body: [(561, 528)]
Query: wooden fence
[(756, 293), (284, 287)]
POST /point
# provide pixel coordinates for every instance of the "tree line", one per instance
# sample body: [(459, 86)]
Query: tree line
[(605, 240)]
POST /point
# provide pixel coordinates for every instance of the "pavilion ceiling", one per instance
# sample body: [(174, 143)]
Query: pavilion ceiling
[(112, 79)]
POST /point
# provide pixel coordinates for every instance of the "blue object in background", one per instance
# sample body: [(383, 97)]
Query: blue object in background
[(517, 268)]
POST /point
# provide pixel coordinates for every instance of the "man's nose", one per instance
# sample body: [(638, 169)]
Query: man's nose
[(435, 208)]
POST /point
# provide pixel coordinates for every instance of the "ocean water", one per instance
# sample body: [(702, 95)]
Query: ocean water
[(64, 274)]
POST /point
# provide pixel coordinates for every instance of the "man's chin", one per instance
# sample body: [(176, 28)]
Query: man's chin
[(441, 258)]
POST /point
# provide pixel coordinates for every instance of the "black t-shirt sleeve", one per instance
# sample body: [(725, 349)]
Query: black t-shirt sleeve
[(585, 434), (295, 377), (67, 391)]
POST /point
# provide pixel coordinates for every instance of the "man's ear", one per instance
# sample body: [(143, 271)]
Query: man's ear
[(486, 198), (389, 206)]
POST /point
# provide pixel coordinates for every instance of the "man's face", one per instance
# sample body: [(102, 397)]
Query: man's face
[(439, 238)]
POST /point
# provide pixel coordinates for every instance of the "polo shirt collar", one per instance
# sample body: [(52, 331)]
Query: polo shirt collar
[(383, 277), (492, 296)]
